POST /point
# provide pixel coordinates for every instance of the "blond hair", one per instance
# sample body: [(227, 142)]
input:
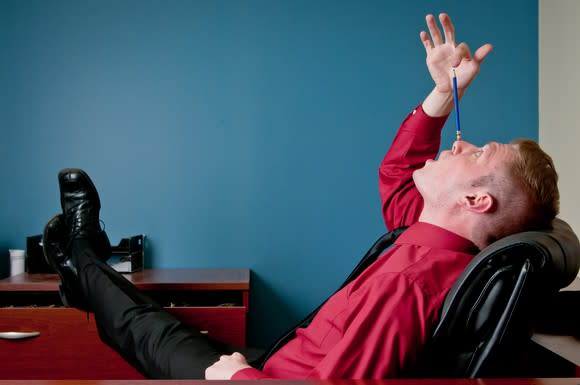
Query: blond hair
[(534, 170)]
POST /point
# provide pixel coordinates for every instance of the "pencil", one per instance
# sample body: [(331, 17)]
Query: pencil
[(456, 100)]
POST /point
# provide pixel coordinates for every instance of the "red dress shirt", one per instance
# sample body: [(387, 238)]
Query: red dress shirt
[(375, 326)]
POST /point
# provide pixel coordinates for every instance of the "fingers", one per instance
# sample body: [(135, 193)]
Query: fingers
[(461, 52), (434, 30), (238, 356), (442, 55), (448, 28), (426, 40)]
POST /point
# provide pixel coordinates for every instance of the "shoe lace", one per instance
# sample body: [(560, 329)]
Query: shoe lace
[(84, 219)]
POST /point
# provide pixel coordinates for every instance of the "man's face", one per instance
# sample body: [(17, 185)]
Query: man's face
[(455, 170)]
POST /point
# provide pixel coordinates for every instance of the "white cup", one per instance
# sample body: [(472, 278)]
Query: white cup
[(16, 261)]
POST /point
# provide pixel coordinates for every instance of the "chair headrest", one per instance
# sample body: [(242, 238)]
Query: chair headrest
[(486, 314), (554, 255)]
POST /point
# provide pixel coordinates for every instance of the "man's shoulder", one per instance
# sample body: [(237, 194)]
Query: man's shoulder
[(433, 270)]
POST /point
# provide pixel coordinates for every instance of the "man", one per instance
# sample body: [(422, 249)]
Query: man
[(377, 324)]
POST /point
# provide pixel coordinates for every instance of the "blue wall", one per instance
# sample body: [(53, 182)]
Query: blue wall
[(238, 133)]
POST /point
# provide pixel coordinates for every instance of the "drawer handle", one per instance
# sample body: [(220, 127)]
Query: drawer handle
[(18, 335)]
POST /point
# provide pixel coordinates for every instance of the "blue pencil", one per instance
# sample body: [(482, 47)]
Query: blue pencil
[(456, 100)]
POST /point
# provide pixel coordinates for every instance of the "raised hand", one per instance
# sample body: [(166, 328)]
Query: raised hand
[(443, 56)]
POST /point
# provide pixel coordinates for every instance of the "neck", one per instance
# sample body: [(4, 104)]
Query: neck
[(456, 221)]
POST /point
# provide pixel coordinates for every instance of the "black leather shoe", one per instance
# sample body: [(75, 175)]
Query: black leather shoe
[(80, 204), (54, 246), (79, 201), (79, 221)]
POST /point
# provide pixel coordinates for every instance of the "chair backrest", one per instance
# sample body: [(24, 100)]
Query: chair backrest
[(487, 316)]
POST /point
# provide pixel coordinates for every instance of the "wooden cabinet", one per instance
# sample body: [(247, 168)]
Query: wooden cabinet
[(68, 347)]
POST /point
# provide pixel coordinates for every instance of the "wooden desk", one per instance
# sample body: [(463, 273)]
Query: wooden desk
[(495, 381), (212, 300)]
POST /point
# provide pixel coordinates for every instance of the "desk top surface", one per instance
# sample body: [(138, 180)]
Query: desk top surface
[(495, 381), (148, 279), (566, 346)]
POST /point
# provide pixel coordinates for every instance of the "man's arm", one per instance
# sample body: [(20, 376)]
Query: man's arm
[(418, 139)]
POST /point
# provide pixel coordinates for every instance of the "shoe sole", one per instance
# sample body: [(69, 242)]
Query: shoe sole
[(86, 177)]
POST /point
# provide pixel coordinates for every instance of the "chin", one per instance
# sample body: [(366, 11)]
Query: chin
[(418, 177), (419, 174), (414, 175)]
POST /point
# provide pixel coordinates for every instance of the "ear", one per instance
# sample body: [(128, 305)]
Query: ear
[(479, 202)]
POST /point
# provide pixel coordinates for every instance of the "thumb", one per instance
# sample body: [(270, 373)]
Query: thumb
[(482, 52)]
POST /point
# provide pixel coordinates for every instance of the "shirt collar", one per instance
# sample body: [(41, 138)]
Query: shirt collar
[(425, 234)]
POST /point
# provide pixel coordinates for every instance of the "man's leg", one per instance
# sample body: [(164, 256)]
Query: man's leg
[(149, 338), (152, 340)]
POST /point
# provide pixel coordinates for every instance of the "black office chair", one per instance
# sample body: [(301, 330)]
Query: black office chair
[(488, 315), (486, 319)]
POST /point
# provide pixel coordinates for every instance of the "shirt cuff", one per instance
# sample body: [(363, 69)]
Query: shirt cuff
[(248, 374)]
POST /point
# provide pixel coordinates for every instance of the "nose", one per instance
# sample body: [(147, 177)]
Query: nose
[(460, 146)]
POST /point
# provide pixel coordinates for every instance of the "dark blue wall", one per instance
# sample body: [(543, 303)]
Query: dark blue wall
[(238, 133)]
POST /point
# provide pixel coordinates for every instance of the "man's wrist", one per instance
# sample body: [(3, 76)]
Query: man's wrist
[(438, 104)]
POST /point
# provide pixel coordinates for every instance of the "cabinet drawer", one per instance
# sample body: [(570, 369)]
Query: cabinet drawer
[(69, 347)]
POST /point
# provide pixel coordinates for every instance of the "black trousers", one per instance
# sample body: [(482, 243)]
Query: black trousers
[(150, 339), (155, 342)]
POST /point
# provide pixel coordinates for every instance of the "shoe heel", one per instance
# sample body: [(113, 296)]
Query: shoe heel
[(63, 296), (71, 298)]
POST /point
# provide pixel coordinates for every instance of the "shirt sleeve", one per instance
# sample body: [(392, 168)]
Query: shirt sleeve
[(390, 324), (417, 140)]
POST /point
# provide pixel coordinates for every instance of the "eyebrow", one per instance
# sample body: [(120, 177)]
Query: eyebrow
[(487, 150), (492, 149)]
